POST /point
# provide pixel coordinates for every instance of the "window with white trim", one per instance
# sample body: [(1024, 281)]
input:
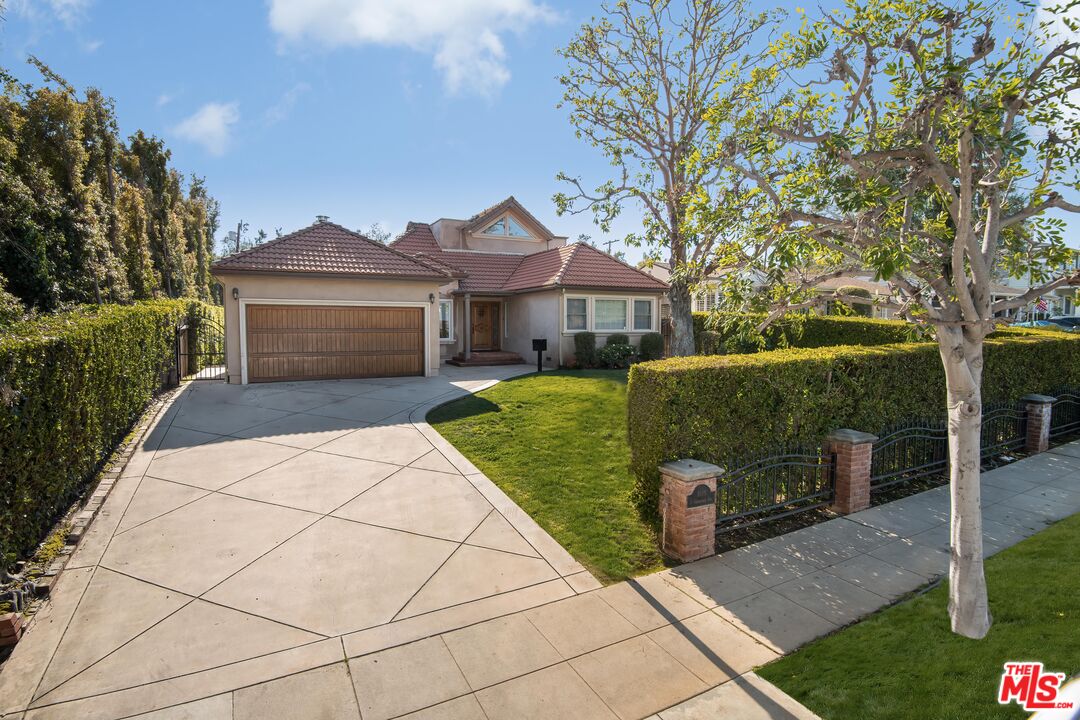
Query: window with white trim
[(643, 311), (577, 313), (446, 319), (609, 314)]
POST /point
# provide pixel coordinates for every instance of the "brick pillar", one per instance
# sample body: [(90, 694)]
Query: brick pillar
[(1038, 409), (688, 508), (851, 451), (10, 628)]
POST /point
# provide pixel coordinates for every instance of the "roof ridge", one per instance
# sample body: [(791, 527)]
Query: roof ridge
[(385, 246), (566, 261)]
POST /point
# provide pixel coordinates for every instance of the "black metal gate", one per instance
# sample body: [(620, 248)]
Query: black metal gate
[(200, 344), (769, 488)]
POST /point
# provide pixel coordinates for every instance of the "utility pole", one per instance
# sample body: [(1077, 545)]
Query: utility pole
[(609, 243), (239, 228)]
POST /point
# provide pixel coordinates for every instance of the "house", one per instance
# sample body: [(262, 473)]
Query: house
[(708, 295), (327, 302)]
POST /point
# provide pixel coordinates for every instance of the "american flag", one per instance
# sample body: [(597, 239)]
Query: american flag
[(1041, 306)]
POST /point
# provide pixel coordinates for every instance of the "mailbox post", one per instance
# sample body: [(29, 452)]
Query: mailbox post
[(540, 346)]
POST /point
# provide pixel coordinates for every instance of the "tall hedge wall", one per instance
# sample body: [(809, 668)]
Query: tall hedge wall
[(71, 385), (714, 408), (716, 332)]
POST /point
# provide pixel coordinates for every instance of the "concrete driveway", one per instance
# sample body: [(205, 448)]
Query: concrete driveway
[(263, 530)]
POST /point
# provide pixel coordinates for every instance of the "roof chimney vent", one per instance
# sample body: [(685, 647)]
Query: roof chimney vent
[(322, 218)]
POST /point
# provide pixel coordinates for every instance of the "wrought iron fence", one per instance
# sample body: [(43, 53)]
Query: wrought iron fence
[(1004, 428), (200, 344), (917, 449), (1065, 412), (769, 488)]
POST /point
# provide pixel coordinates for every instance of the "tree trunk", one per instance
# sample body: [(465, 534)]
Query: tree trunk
[(682, 319), (962, 356)]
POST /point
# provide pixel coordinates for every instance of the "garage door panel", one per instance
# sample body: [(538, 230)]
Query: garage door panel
[(287, 342), (334, 341)]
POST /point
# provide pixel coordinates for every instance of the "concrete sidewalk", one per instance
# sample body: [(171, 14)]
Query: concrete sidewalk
[(680, 643)]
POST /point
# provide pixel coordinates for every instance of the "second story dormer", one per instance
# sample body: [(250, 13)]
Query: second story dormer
[(503, 228)]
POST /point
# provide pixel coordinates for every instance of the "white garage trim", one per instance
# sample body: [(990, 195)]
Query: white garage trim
[(244, 302)]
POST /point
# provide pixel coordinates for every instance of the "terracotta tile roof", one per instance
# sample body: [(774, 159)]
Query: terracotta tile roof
[(485, 272), (328, 248), (577, 265), (589, 267)]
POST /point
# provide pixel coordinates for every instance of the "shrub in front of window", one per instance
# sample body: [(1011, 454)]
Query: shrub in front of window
[(616, 356), (652, 346), (718, 408), (585, 349), (618, 339)]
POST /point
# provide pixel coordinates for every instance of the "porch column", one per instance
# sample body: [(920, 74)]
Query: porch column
[(467, 347)]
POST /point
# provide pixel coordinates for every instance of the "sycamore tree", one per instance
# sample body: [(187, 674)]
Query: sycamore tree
[(638, 84), (926, 143)]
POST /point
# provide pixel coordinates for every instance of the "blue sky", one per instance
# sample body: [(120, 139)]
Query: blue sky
[(290, 113), (364, 110)]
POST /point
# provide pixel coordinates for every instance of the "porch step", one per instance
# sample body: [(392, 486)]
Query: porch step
[(486, 357)]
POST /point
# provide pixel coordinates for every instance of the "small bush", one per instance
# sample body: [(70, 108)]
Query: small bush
[(722, 407), (618, 339), (710, 342), (616, 356), (652, 346), (585, 349), (71, 384)]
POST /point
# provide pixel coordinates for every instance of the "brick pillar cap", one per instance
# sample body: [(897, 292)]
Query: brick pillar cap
[(690, 470), (853, 437), (1038, 399)]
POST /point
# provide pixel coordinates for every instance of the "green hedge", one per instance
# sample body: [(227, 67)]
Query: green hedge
[(720, 407), (71, 385), (730, 333)]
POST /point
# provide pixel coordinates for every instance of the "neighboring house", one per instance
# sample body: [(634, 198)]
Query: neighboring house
[(327, 302), (1058, 302)]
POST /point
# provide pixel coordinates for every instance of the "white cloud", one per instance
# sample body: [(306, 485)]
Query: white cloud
[(92, 46), (69, 12), (164, 99), (464, 37), (210, 126), (280, 111)]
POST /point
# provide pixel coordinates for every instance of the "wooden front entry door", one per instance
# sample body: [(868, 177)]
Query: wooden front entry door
[(485, 323)]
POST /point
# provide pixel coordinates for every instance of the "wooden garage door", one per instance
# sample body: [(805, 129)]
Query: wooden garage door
[(307, 342)]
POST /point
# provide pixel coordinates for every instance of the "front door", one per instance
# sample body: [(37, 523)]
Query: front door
[(485, 323)]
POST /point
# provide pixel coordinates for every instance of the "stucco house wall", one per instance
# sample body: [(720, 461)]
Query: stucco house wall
[(533, 316), (264, 286)]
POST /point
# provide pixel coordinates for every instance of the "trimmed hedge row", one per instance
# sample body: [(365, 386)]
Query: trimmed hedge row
[(71, 385), (734, 333), (716, 408)]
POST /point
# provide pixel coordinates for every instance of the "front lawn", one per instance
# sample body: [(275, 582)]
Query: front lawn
[(905, 663), (556, 444)]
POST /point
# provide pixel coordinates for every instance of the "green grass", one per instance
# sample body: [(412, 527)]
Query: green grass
[(905, 663), (556, 444)]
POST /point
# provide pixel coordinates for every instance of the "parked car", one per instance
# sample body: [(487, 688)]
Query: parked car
[(1069, 322)]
